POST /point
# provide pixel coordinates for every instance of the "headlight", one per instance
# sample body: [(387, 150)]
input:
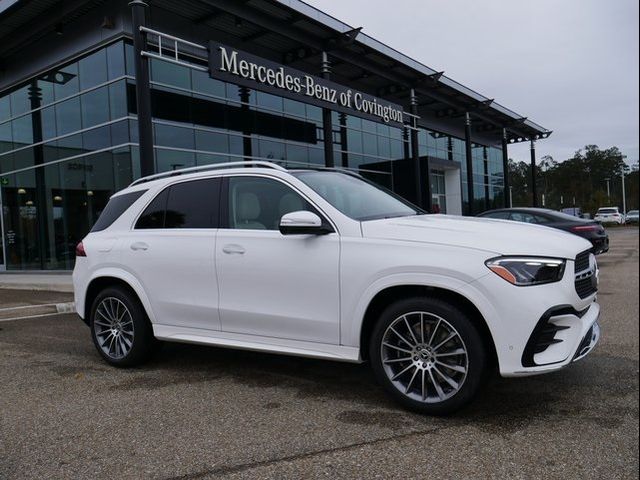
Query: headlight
[(522, 271)]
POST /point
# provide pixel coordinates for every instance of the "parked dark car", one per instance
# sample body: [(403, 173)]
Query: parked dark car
[(589, 229)]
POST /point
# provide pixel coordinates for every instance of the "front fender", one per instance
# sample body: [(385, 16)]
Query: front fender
[(350, 331)]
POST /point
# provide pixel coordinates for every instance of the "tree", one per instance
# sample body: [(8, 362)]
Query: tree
[(581, 177)]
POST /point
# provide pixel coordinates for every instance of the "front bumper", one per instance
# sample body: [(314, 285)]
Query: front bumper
[(575, 336)]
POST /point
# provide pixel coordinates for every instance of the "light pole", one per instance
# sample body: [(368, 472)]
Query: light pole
[(624, 195), (608, 190), (510, 196)]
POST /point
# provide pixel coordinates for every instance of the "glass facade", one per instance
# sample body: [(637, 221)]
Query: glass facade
[(64, 150), (68, 140)]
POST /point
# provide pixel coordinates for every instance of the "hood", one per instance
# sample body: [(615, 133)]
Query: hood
[(502, 237)]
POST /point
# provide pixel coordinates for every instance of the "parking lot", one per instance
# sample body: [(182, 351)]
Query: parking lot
[(197, 412)]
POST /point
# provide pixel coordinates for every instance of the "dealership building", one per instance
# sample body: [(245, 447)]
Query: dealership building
[(96, 93)]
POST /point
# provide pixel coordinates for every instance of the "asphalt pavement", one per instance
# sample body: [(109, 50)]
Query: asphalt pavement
[(198, 412)]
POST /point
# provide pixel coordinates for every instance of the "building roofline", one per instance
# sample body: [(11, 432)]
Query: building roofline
[(341, 27)]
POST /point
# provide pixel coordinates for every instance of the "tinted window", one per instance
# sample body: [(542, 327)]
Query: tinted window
[(500, 215), (523, 217), (608, 210), (191, 204), (116, 207), (153, 215), (257, 203)]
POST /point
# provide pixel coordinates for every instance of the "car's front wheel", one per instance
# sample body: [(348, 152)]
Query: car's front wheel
[(120, 328), (428, 355)]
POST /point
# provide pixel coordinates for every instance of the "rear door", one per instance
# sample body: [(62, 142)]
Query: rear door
[(171, 251)]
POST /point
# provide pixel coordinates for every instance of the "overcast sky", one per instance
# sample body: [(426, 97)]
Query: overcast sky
[(569, 65)]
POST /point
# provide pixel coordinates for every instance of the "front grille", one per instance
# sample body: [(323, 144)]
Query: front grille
[(586, 282)]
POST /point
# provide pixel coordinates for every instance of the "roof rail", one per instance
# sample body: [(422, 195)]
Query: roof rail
[(204, 168)]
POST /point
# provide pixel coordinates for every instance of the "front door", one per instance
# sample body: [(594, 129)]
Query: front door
[(171, 249), (274, 285)]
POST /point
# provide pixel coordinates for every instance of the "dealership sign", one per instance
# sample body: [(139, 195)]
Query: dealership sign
[(230, 64)]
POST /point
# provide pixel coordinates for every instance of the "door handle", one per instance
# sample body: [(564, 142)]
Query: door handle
[(139, 246), (233, 249)]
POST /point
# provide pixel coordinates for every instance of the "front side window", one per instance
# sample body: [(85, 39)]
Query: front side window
[(355, 197), (257, 203), (192, 204)]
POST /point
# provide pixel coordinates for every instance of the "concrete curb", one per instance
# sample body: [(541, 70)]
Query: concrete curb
[(32, 311), (44, 287)]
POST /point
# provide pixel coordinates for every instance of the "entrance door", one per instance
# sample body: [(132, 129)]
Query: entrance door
[(3, 261)]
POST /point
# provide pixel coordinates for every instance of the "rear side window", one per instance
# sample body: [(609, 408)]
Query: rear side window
[(192, 204), (116, 207)]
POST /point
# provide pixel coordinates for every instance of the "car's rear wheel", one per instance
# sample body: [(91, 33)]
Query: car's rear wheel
[(428, 355), (120, 328)]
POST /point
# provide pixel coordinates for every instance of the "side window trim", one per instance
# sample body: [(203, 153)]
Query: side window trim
[(224, 200)]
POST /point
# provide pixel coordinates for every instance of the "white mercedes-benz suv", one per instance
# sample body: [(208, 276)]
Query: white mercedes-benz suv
[(323, 263)]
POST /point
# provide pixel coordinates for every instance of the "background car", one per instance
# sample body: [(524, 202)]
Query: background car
[(609, 215), (631, 216), (588, 229)]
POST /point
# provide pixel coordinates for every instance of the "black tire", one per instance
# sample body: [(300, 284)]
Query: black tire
[(474, 363), (143, 342)]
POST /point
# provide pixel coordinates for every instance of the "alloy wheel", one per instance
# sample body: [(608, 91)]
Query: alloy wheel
[(113, 328), (424, 357)]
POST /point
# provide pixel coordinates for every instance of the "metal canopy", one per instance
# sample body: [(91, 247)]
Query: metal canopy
[(294, 33)]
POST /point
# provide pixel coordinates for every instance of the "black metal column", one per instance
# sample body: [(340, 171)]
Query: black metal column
[(469, 155), (343, 139), (505, 166), (143, 89), (247, 149), (534, 189), (35, 98), (423, 197), (327, 126)]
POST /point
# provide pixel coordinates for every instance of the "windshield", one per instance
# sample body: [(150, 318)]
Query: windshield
[(356, 197), (608, 210)]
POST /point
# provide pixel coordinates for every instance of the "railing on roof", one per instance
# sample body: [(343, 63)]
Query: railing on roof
[(204, 168)]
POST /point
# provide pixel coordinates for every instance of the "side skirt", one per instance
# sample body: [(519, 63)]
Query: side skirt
[(241, 341)]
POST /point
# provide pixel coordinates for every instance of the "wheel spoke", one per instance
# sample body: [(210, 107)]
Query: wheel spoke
[(396, 348), (401, 337), (422, 328), (451, 335), (396, 360), (105, 340), (105, 316), (457, 351), (406, 322), (455, 368), (447, 379), (424, 385), (437, 386), (433, 333), (401, 372), (103, 324), (415, 372)]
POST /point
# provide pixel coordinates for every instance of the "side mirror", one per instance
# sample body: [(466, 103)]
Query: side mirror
[(303, 223)]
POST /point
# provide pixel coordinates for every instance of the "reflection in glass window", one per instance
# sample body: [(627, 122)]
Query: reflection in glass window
[(67, 116), (93, 69), (95, 107)]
